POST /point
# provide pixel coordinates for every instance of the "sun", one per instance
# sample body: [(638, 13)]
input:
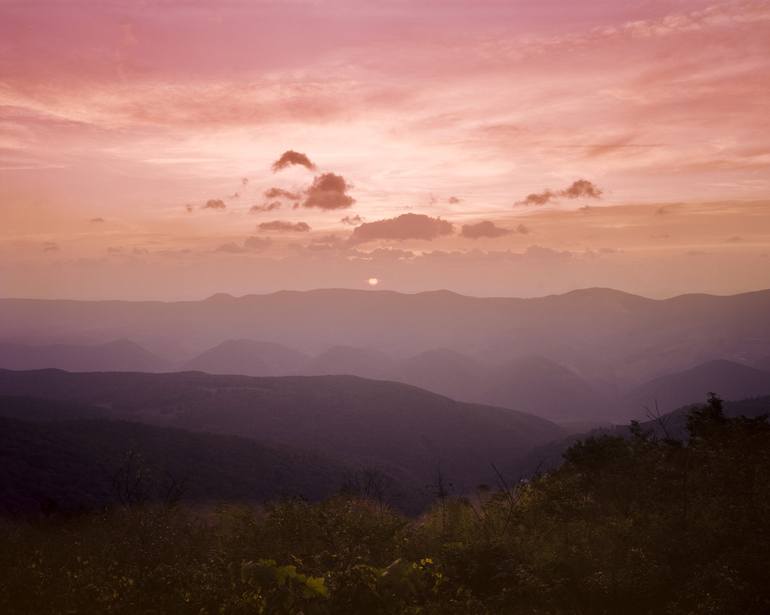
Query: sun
[(373, 281)]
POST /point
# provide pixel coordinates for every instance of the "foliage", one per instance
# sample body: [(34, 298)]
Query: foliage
[(635, 525)]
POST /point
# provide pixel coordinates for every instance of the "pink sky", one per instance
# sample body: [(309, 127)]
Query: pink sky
[(121, 121)]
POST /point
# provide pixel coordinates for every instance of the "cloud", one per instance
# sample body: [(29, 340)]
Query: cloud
[(328, 191), (250, 244), (581, 188), (244, 181), (282, 225), (97, 220), (384, 254), (453, 200), (280, 193), (483, 229), (50, 246), (291, 158), (734, 239), (215, 204), (405, 226), (327, 242), (546, 254), (522, 229), (230, 248), (538, 198), (257, 244), (352, 220), (255, 209)]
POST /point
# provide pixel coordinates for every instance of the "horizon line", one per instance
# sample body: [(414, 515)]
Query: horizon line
[(225, 296)]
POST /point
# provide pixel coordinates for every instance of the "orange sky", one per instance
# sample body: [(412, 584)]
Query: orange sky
[(137, 142)]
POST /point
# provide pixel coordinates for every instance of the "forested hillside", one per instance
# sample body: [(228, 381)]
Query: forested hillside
[(638, 525)]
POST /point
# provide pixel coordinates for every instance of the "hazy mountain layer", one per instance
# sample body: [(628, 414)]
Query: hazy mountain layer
[(605, 336)]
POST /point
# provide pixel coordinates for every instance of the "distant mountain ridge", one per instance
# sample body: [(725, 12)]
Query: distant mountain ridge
[(603, 335), (248, 357), (117, 355), (533, 384), (729, 379)]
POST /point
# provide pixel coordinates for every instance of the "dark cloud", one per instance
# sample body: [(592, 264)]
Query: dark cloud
[(291, 158), (50, 246), (581, 188), (244, 181), (352, 220), (283, 225), (734, 239), (97, 220), (189, 208), (215, 204), (405, 226), (255, 209), (453, 200), (234, 195), (538, 198), (483, 229), (522, 229), (280, 193), (328, 191)]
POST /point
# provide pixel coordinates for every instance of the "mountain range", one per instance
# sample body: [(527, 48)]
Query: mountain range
[(609, 338), (408, 433), (594, 355)]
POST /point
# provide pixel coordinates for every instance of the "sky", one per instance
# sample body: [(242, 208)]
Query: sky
[(173, 149)]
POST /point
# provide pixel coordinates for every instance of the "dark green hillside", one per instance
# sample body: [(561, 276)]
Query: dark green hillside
[(636, 525), (89, 464), (665, 425)]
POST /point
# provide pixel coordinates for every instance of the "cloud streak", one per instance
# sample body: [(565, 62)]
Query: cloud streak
[(255, 209), (284, 226)]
